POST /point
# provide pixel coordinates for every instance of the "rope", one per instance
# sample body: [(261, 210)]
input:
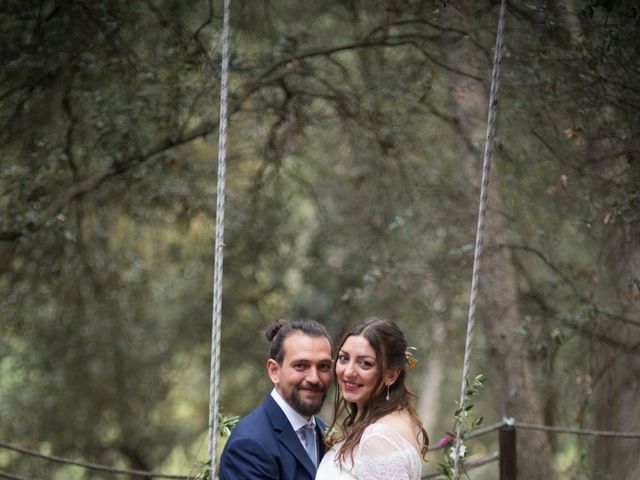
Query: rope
[(90, 466), (486, 169), (219, 246), (476, 433), (578, 431)]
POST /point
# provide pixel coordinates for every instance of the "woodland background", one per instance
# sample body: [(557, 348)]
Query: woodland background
[(355, 143)]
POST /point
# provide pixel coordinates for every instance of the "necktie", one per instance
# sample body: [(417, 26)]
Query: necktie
[(310, 442)]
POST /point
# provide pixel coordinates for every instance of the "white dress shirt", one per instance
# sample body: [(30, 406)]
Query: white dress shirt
[(296, 420)]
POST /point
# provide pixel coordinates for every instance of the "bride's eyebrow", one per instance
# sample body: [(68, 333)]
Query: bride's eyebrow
[(359, 357)]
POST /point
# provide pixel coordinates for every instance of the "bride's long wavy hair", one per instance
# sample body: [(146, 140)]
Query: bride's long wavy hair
[(390, 346)]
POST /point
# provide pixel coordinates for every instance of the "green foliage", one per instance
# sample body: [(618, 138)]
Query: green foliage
[(226, 423), (346, 197), (465, 422)]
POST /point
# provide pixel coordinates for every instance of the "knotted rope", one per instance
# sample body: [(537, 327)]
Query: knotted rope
[(482, 209), (219, 246)]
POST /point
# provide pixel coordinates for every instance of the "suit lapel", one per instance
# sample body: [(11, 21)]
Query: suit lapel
[(320, 426), (287, 436)]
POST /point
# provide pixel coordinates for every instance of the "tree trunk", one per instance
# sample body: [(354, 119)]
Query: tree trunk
[(430, 394), (510, 373), (617, 371), (615, 378)]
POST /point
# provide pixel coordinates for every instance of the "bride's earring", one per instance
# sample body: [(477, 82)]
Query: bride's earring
[(387, 397)]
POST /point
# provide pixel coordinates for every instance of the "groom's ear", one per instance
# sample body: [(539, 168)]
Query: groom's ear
[(273, 369)]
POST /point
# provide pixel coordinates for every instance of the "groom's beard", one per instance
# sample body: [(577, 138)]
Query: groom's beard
[(306, 407)]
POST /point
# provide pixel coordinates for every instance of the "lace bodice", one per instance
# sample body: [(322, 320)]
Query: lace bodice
[(382, 454)]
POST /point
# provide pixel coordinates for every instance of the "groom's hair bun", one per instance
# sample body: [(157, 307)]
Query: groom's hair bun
[(273, 329)]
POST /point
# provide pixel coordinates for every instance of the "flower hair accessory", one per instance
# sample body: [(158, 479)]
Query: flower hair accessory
[(409, 360)]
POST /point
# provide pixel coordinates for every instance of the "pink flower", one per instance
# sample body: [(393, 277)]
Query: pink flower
[(446, 440)]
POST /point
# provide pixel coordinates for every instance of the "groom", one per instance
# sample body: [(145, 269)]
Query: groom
[(282, 438)]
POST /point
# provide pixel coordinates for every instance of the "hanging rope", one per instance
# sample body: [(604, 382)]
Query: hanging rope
[(482, 209), (219, 246)]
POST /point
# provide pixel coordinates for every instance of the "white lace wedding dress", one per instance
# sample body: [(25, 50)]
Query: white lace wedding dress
[(382, 454)]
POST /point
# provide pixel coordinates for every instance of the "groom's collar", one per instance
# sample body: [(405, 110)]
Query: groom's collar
[(295, 419)]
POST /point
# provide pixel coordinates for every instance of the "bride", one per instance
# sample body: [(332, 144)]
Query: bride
[(382, 435)]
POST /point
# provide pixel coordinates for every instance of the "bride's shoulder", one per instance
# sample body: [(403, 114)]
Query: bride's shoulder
[(399, 423)]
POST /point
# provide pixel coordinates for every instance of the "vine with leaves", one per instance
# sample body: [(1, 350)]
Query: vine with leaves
[(463, 416), (226, 423)]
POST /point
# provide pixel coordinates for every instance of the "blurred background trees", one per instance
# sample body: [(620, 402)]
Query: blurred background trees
[(355, 143)]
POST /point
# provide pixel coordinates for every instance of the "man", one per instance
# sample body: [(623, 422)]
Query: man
[(282, 438)]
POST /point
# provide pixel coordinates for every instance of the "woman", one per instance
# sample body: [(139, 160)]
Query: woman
[(382, 435)]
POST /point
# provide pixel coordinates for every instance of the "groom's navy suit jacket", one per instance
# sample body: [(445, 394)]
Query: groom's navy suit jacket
[(264, 446)]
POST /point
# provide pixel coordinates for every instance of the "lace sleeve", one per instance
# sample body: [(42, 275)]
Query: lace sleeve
[(383, 454)]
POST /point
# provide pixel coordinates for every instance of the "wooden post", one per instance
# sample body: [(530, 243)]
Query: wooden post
[(507, 453)]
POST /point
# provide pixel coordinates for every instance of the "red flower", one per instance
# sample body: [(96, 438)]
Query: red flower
[(446, 440)]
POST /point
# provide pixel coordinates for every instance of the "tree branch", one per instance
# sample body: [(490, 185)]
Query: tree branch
[(268, 77), (568, 281)]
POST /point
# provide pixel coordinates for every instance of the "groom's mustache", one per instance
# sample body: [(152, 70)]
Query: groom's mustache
[(307, 386)]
